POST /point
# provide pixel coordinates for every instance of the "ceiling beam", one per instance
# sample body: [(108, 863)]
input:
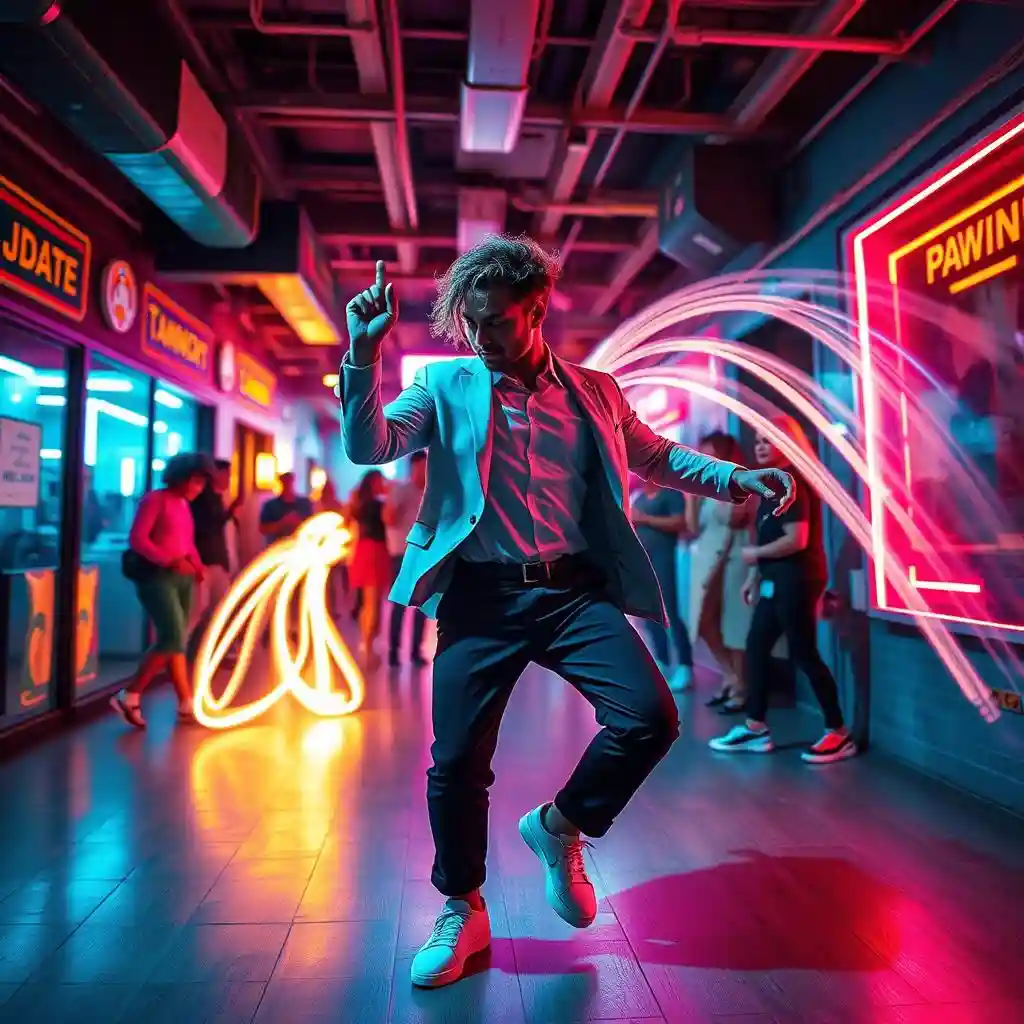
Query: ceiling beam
[(449, 241), (627, 267), (313, 110), (777, 76), (604, 69)]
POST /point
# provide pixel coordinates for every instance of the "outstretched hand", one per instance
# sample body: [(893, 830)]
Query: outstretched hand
[(773, 484), (370, 316)]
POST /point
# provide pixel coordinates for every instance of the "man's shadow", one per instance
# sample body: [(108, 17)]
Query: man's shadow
[(756, 913)]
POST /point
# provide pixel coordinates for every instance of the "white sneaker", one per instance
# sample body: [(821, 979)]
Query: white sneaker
[(459, 932), (741, 739), (681, 680), (569, 891)]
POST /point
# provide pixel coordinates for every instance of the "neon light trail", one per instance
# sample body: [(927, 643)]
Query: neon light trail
[(283, 589), (643, 352)]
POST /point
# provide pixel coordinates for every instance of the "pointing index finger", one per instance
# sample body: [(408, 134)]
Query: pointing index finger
[(381, 276)]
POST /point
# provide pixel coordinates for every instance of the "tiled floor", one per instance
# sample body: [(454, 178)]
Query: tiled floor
[(278, 874)]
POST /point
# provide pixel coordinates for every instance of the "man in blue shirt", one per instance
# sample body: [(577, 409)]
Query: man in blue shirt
[(282, 515)]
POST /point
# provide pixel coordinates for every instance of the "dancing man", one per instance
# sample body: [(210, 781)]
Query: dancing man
[(523, 551)]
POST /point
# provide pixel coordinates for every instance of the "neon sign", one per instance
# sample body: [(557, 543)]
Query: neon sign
[(255, 381), (959, 229), (174, 337), (285, 588), (42, 256)]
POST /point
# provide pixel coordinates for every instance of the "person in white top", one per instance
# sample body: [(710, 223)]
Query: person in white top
[(524, 551), (399, 516)]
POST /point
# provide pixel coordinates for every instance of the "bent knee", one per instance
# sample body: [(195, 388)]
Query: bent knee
[(656, 726)]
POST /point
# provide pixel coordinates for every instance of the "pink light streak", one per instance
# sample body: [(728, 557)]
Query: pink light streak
[(843, 428)]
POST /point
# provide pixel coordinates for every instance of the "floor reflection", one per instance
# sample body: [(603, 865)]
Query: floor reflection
[(280, 873)]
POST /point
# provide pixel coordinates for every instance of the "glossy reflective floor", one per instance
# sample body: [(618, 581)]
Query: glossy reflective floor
[(278, 874)]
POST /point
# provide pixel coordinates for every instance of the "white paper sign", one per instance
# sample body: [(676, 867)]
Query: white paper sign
[(20, 444)]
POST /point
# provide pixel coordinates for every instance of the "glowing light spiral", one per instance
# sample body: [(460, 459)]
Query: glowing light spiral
[(284, 589)]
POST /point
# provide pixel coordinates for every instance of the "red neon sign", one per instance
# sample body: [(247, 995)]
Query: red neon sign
[(957, 238)]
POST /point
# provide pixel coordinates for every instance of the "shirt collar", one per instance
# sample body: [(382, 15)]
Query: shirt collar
[(549, 371)]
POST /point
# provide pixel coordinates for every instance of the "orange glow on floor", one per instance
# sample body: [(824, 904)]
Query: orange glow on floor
[(285, 587)]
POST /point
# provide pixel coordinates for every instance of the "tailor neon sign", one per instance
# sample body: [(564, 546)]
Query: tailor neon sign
[(958, 229), (284, 589), (174, 337)]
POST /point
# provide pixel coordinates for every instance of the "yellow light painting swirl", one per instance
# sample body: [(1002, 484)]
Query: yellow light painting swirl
[(285, 590)]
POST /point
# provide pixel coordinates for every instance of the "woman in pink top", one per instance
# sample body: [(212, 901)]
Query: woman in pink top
[(164, 565)]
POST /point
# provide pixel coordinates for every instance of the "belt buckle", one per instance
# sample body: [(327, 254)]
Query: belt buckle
[(528, 577)]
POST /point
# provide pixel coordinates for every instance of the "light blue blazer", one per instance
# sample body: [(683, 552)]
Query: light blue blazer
[(447, 410)]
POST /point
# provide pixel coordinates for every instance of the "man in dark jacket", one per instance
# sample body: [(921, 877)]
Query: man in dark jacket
[(211, 517)]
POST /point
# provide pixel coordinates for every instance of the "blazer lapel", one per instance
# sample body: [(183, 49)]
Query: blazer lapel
[(478, 395), (585, 393)]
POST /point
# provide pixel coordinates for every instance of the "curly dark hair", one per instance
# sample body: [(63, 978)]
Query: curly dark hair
[(182, 468), (516, 261)]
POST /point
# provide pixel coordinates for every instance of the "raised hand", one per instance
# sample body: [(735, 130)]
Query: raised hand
[(370, 316)]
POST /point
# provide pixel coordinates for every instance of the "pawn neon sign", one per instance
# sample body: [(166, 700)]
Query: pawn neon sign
[(283, 590)]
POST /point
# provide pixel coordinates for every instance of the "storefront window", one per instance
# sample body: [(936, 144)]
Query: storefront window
[(117, 444), (175, 426), (957, 240), (33, 396)]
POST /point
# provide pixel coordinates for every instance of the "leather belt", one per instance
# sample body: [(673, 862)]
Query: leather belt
[(567, 571)]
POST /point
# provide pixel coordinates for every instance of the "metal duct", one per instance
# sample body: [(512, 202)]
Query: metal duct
[(481, 213), (502, 37)]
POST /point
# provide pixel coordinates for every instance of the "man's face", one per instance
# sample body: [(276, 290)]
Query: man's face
[(288, 487), (221, 481), (501, 331)]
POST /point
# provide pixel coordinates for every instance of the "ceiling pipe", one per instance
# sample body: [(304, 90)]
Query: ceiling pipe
[(819, 43), (777, 77), (339, 239), (304, 28), (604, 70), (314, 111), (864, 83), (591, 209)]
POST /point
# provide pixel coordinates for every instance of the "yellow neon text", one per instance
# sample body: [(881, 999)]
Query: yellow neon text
[(41, 258)]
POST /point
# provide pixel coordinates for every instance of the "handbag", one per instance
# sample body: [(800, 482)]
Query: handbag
[(136, 567)]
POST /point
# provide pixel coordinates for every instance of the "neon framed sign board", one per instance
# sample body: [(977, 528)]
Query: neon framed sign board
[(955, 239)]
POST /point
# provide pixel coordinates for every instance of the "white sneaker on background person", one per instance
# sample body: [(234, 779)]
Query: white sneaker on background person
[(681, 680), (741, 739), (569, 891), (459, 932)]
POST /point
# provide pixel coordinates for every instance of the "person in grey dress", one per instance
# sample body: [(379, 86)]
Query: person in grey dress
[(718, 614)]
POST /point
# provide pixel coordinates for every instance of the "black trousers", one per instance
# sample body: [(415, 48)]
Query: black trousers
[(791, 611), (487, 635), (398, 613)]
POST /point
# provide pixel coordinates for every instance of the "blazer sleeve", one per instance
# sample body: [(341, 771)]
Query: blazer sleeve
[(374, 434), (668, 464)]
